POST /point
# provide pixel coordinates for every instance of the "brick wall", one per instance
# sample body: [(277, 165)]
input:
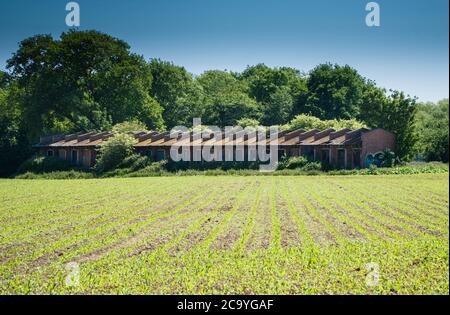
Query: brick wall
[(375, 141)]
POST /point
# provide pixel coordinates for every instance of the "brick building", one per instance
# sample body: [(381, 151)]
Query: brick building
[(341, 149)]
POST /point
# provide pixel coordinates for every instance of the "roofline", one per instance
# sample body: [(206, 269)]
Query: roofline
[(163, 139)]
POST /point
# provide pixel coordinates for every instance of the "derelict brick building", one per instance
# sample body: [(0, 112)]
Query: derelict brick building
[(341, 149)]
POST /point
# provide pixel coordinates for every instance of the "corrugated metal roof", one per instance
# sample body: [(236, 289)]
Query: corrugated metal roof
[(153, 138)]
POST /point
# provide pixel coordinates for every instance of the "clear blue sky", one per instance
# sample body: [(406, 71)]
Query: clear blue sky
[(409, 52)]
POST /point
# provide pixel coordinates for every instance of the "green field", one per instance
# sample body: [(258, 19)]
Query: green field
[(244, 235)]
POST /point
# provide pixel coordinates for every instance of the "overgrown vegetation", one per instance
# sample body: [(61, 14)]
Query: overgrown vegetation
[(44, 164), (308, 122), (433, 133), (114, 151), (139, 166)]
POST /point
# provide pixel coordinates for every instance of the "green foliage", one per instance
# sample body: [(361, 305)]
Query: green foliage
[(152, 169), (247, 122), (14, 145), (135, 162), (334, 92), (432, 121), (180, 96), (301, 164), (308, 122), (86, 80), (411, 168), (387, 158), (129, 126), (57, 175), (394, 112), (279, 91), (165, 168), (226, 100), (44, 164), (313, 166), (113, 152), (293, 162), (3, 79)]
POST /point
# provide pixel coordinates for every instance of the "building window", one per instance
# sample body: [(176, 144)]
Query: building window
[(281, 154), (74, 156), (49, 152), (160, 155)]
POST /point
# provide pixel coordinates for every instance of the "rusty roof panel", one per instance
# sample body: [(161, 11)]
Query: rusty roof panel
[(323, 133), (153, 138)]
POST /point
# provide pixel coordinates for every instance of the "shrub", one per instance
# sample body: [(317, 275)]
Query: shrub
[(223, 165), (114, 151), (312, 167), (57, 175), (153, 169), (129, 126), (43, 164), (309, 122), (293, 162), (135, 162)]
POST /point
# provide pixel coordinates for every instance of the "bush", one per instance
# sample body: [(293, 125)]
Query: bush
[(410, 168), (129, 126), (309, 122), (42, 164), (114, 151), (154, 169), (293, 162), (202, 166), (57, 175), (312, 167), (135, 162)]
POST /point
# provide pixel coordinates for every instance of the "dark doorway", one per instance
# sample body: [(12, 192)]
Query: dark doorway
[(325, 156), (356, 158), (341, 158), (74, 156)]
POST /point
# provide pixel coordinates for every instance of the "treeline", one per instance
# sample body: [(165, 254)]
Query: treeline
[(88, 80)]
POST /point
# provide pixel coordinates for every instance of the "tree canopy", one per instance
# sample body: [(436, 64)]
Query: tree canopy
[(180, 96), (226, 99), (279, 91), (84, 81), (433, 131), (333, 92)]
